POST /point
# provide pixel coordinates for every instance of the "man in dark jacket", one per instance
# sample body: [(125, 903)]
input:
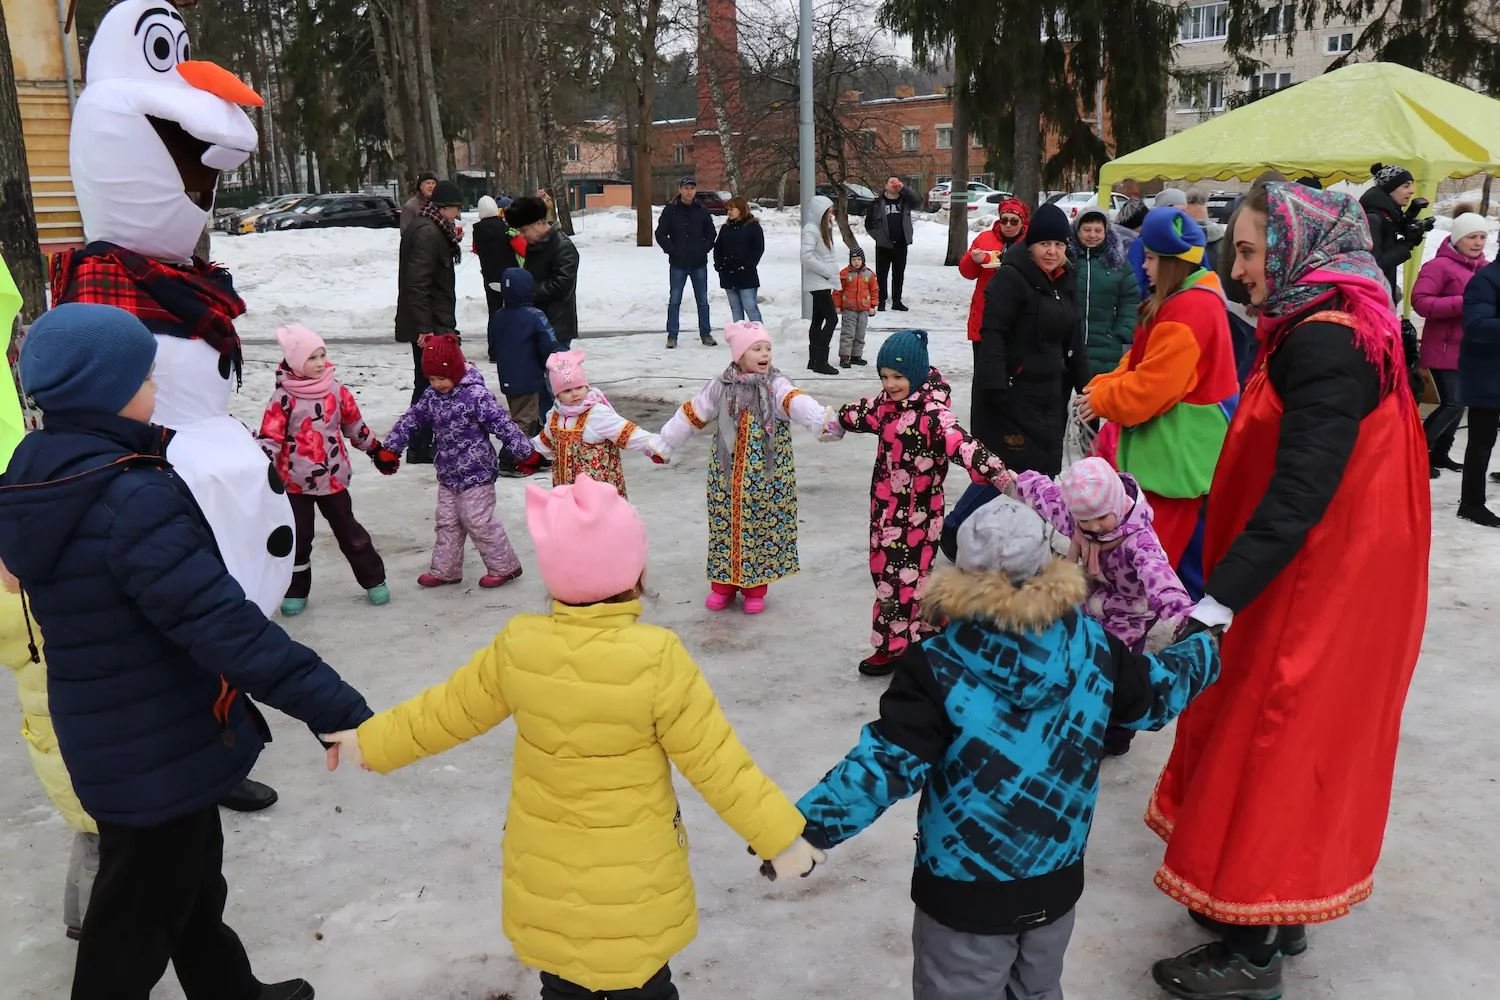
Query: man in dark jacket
[(889, 222), (1479, 387), (152, 652), (521, 340), (426, 301), (552, 261), (685, 233), (1391, 234), (426, 183)]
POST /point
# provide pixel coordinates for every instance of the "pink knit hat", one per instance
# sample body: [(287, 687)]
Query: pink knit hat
[(1092, 489), (565, 371), (298, 343), (590, 544), (743, 335)]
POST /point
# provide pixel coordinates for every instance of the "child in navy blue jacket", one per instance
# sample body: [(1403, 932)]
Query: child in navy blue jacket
[(999, 722), (152, 650), (520, 341)]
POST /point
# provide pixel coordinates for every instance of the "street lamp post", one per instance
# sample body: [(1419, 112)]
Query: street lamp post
[(805, 131)]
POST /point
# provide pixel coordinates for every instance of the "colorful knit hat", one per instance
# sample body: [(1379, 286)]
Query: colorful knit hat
[(298, 343), (443, 358), (744, 335), (590, 544), (1092, 489), (856, 253), (905, 351), (1171, 232), (1389, 178), (565, 371)]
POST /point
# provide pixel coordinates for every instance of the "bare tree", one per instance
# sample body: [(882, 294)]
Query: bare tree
[(713, 57), (18, 236), (395, 128)]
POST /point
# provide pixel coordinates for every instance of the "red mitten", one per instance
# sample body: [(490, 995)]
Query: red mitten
[(386, 461), (658, 459), (530, 463)]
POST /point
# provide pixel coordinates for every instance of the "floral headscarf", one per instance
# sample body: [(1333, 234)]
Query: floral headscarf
[(1318, 247)]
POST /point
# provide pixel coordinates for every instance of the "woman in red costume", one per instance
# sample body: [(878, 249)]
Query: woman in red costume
[(983, 259), (1274, 802)]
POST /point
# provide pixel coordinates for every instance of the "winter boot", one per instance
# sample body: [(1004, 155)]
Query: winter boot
[(492, 580), (1216, 972), (671, 342), (899, 307), (755, 599), (822, 367), (720, 596), (861, 362), (292, 989), (1446, 462), (1495, 477), (379, 594), (845, 362), (877, 665), (249, 796), (708, 340), (1117, 740), (1479, 514), (291, 607), (428, 580)]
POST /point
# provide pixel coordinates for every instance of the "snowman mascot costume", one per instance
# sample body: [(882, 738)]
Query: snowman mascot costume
[(151, 132)]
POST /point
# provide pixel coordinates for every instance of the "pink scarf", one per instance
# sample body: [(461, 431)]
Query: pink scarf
[(594, 396), (306, 388), (1087, 549)]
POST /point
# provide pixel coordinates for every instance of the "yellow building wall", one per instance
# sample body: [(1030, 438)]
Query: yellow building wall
[(36, 46)]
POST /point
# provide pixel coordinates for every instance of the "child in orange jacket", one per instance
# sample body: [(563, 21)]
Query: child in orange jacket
[(856, 299)]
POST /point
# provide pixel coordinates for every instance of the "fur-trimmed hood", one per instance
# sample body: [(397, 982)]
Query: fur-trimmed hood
[(1034, 669)]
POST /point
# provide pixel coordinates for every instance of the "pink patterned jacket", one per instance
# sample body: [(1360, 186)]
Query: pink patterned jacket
[(304, 438)]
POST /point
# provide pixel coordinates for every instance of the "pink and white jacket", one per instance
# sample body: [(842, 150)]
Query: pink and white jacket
[(1138, 587), (304, 438)]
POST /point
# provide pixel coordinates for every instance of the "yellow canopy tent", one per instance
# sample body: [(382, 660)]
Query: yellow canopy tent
[(1333, 127), (12, 427)]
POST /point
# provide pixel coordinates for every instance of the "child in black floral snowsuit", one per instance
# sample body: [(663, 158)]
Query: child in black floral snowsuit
[(919, 436)]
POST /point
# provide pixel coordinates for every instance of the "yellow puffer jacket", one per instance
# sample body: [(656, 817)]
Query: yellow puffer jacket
[(36, 721), (596, 885)]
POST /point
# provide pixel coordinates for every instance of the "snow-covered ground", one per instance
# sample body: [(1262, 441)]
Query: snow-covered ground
[(388, 888)]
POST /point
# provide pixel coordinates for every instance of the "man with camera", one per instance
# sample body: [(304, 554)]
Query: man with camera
[(1392, 213)]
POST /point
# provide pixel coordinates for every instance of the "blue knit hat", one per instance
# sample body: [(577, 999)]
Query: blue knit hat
[(905, 351), (84, 357), (1171, 232)]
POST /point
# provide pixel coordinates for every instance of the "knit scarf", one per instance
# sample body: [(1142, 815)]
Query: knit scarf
[(591, 400), (1318, 250), (198, 298), (745, 392), (303, 387), (1087, 548), (431, 211)]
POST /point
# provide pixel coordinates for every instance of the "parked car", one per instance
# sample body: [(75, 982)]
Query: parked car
[(989, 204), (240, 223), (860, 197), (1220, 205), (938, 197), (328, 210), (717, 202), (1073, 203)]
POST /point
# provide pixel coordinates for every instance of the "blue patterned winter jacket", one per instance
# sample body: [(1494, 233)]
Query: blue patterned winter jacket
[(999, 722)]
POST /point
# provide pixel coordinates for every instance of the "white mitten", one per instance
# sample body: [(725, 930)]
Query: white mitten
[(798, 861)]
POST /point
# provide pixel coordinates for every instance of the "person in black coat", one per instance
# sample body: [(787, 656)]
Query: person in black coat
[(1479, 388), (685, 233), (737, 253), (153, 652), (426, 297), (889, 222), (552, 261), (1385, 211), (492, 245)]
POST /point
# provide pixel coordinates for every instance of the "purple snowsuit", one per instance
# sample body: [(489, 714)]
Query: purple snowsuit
[(467, 467), (1139, 587)]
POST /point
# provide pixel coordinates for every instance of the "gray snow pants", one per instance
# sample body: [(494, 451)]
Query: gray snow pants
[(852, 334), (952, 965), (83, 865)]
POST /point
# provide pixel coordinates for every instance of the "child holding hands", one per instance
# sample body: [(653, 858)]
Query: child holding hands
[(596, 889), (302, 433), (583, 434), (463, 413), (919, 436)]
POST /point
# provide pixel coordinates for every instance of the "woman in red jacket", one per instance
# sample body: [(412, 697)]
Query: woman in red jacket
[(983, 259)]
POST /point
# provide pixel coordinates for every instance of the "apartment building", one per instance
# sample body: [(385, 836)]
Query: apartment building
[(1212, 88)]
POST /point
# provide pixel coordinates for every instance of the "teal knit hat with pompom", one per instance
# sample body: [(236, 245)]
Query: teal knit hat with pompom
[(905, 351)]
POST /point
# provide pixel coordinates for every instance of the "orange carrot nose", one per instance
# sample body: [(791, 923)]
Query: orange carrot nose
[(217, 80)]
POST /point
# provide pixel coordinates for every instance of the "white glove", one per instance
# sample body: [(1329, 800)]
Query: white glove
[(1213, 614), (798, 861)]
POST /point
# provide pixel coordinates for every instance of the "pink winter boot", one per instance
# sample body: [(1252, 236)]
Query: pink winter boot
[(755, 599), (721, 596)]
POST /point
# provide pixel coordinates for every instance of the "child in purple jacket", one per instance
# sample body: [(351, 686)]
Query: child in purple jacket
[(1132, 585), (463, 413)]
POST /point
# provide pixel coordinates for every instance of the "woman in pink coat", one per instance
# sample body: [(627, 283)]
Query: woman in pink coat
[(1439, 297)]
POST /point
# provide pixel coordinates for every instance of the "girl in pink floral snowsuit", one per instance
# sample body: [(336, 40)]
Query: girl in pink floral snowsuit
[(302, 433), (919, 436)]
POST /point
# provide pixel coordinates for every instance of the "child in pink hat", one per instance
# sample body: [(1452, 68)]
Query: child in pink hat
[(582, 434), (302, 432), (1132, 585), (752, 482), (596, 890)]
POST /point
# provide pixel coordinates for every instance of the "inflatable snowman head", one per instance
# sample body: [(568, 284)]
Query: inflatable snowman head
[(151, 131)]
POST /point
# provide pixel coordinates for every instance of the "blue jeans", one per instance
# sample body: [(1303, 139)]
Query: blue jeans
[(679, 277), (744, 303)]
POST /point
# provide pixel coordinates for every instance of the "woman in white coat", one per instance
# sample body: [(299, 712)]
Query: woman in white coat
[(820, 275)]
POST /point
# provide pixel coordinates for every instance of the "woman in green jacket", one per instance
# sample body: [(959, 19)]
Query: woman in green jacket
[(1108, 296)]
